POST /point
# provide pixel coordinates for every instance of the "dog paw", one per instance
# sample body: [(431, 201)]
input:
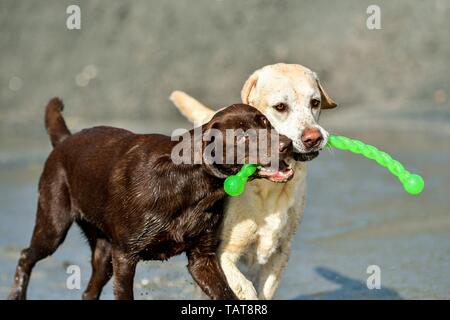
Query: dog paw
[(16, 295), (246, 290)]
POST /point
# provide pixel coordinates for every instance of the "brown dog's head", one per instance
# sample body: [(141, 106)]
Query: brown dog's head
[(242, 134)]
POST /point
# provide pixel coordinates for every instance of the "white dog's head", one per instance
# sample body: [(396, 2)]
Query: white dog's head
[(291, 97)]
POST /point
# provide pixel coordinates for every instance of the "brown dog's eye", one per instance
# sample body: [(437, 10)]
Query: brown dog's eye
[(264, 120), (281, 107), (315, 103)]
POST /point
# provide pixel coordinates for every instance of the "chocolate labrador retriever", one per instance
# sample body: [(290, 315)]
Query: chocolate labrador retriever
[(133, 202)]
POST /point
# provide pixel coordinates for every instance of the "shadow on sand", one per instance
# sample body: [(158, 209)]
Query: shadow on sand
[(350, 289)]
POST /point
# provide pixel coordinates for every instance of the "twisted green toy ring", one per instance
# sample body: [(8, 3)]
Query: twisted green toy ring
[(412, 183)]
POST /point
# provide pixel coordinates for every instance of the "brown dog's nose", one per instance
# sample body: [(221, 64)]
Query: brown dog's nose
[(311, 137), (285, 143)]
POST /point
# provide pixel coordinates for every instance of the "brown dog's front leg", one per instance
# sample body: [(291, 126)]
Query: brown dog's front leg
[(124, 268), (206, 271)]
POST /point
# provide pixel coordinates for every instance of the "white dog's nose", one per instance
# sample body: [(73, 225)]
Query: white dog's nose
[(311, 137)]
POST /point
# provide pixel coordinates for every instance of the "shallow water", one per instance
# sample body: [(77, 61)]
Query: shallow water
[(357, 215)]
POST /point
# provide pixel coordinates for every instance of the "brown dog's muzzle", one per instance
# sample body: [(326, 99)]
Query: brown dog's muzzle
[(281, 171)]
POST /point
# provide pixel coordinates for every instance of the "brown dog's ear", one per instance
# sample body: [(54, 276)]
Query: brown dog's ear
[(247, 89), (212, 140), (327, 102)]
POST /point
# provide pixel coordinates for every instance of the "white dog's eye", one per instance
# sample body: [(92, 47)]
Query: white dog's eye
[(315, 103), (281, 107)]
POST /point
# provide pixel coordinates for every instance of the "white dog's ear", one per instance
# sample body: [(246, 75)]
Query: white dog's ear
[(248, 89), (327, 102)]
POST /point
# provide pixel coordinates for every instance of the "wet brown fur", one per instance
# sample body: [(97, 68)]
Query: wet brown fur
[(132, 202)]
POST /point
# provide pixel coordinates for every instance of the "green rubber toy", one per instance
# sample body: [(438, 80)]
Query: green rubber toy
[(235, 185), (412, 183)]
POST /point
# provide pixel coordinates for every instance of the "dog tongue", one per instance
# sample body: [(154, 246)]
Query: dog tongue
[(281, 174), (278, 175)]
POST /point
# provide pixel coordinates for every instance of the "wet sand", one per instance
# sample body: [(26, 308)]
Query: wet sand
[(357, 215)]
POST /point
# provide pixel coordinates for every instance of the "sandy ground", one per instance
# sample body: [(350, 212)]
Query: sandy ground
[(357, 215), (393, 89)]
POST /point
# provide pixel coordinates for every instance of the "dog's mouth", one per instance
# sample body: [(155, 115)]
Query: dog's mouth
[(283, 173), (305, 156)]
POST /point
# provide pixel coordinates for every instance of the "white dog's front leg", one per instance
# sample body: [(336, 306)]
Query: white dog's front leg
[(241, 286), (270, 273)]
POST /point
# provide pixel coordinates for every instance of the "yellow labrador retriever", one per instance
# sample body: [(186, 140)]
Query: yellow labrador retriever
[(259, 225)]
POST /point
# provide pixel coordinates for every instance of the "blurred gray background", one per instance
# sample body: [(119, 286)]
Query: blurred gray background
[(120, 68)]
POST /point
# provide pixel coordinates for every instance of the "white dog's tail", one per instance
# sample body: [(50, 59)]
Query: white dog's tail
[(192, 109)]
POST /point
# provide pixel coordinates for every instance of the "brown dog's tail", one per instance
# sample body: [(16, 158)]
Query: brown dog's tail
[(54, 122)]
